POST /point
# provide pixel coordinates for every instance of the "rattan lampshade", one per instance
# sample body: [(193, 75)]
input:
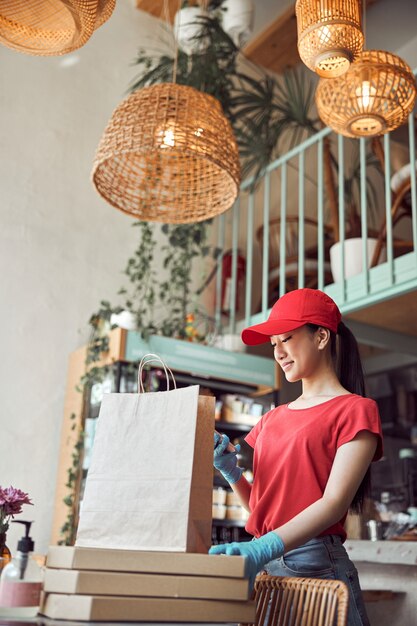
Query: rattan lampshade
[(168, 154), (375, 96), (51, 27), (329, 34)]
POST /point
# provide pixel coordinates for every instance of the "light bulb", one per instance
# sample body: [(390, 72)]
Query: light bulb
[(324, 34), (169, 134), (365, 94), (168, 138)]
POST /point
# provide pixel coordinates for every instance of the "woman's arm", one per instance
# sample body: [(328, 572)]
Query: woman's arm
[(349, 467), (242, 489)]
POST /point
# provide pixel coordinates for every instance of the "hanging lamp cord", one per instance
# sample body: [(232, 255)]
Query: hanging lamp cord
[(177, 28), (364, 22)]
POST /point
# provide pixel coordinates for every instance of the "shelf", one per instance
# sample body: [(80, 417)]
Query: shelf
[(229, 523), (241, 428), (393, 429), (214, 383)]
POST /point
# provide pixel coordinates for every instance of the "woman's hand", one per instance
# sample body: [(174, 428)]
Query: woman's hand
[(257, 552), (224, 461)]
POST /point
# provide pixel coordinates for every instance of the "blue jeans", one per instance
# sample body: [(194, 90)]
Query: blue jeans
[(324, 557)]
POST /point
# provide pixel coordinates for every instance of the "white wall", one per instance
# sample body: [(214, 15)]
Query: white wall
[(408, 52), (62, 248), (389, 24)]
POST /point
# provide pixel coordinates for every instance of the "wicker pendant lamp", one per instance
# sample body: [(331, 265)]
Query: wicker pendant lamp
[(375, 96), (51, 27), (329, 34), (168, 154)]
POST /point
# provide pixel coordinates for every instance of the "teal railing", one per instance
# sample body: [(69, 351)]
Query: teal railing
[(290, 209)]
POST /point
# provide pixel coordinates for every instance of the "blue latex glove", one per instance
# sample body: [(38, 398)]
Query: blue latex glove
[(257, 552), (224, 461)]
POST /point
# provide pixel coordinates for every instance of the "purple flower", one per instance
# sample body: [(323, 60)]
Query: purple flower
[(11, 502)]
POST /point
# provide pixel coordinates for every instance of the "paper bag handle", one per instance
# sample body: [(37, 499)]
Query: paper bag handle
[(152, 358)]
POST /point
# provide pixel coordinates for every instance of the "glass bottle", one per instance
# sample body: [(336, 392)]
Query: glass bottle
[(21, 581), (5, 555)]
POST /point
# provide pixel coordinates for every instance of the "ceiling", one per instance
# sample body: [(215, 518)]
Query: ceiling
[(398, 314), (158, 8)]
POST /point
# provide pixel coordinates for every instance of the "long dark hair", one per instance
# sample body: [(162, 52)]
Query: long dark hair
[(347, 362)]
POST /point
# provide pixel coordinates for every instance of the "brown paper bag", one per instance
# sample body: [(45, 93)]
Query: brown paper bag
[(149, 485)]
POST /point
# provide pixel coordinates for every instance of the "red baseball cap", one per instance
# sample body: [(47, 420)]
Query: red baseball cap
[(293, 310)]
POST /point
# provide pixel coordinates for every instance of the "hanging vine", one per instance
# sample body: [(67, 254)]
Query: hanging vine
[(98, 345)]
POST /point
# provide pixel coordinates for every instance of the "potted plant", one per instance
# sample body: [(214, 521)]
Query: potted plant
[(237, 19), (11, 502), (352, 244), (188, 28)]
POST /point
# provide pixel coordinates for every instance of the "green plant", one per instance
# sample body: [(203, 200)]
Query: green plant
[(97, 346), (140, 299), (185, 243), (274, 115), (162, 301), (68, 529)]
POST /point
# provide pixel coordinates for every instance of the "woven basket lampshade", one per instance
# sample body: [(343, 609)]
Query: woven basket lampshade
[(51, 27), (329, 34), (169, 155), (375, 96)]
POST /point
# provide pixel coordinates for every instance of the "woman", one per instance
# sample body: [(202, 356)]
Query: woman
[(312, 456)]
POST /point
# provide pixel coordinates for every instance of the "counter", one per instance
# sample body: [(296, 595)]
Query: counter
[(388, 576), (386, 552), (45, 621)]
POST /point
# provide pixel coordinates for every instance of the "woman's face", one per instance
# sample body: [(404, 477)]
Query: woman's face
[(299, 352)]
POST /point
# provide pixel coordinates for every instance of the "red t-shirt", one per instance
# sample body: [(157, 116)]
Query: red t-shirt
[(294, 450)]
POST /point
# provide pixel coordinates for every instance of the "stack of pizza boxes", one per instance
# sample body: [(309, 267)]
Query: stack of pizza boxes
[(95, 584)]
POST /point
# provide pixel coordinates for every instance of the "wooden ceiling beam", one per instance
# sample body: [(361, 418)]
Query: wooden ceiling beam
[(276, 47), (159, 8)]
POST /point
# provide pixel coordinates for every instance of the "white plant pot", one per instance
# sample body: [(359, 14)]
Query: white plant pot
[(187, 29), (124, 319), (238, 18), (353, 257), (231, 342)]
